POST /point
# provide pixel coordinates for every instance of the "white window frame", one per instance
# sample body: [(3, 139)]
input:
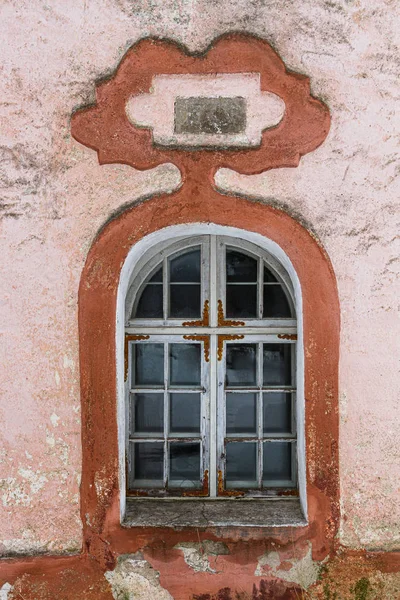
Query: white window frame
[(173, 239)]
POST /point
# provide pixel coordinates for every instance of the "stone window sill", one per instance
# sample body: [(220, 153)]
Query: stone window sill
[(189, 512)]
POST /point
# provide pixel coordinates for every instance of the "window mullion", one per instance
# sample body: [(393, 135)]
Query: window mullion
[(165, 289), (260, 413), (166, 413), (260, 287), (214, 428)]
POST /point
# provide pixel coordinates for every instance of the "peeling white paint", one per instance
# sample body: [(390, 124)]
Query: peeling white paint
[(196, 555), (135, 579), (5, 590), (54, 419), (36, 481), (304, 571)]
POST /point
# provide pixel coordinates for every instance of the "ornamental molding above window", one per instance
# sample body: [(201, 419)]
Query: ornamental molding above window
[(235, 106)]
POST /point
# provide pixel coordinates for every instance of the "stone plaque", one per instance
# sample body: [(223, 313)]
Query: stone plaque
[(210, 115)]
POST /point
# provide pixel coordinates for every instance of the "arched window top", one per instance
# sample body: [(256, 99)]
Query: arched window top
[(173, 282)]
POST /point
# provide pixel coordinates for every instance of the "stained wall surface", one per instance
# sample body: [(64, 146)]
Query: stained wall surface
[(55, 197)]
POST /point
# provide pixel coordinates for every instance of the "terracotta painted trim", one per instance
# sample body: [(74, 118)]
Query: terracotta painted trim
[(97, 310)]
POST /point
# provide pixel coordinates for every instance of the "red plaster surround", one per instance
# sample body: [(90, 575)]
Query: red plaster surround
[(106, 128), (97, 310)]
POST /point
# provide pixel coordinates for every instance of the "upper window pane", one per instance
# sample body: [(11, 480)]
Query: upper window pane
[(150, 305), (185, 268), (240, 268)]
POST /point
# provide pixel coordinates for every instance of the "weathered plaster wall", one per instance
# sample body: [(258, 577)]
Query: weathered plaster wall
[(55, 197)]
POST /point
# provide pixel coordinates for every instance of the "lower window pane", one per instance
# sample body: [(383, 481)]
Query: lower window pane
[(241, 413), (148, 460), (184, 470), (185, 413), (277, 412), (241, 461), (147, 413), (277, 467)]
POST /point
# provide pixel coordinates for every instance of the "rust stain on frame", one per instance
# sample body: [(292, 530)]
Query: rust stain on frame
[(201, 338), (204, 322), (222, 322), (131, 338), (222, 339)]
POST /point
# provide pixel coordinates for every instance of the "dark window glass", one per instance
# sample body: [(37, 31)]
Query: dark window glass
[(276, 304), (147, 413), (241, 460), (150, 305), (277, 461), (184, 300), (184, 464), (241, 301), (240, 267), (269, 277), (157, 277), (241, 364), (277, 412), (185, 366), (241, 413), (185, 267), (277, 364), (149, 462), (149, 365), (184, 413)]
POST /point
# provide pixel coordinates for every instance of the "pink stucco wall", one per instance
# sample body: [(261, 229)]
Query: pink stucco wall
[(55, 197)]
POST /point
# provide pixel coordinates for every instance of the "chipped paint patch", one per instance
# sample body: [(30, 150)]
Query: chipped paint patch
[(196, 555), (303, 571), (135, 579), (5, 590)]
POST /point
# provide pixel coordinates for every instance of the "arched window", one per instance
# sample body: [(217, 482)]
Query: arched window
[(210, 371)]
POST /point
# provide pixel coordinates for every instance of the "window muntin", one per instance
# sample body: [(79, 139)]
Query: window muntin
[(247, 442)]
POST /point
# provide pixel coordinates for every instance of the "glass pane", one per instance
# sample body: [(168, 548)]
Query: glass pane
[(240, 364), (185, 267), (269, 277), (158, 276), (148, 462), (277, 411), (184, 360), (185, 413), (277, 364), (240, 267), (277, 462), (276, 304), (150, 305), (184, 301), (184, 464), (241, 460), (147, 413), (149, 365), (241, 301), (241, 413)]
